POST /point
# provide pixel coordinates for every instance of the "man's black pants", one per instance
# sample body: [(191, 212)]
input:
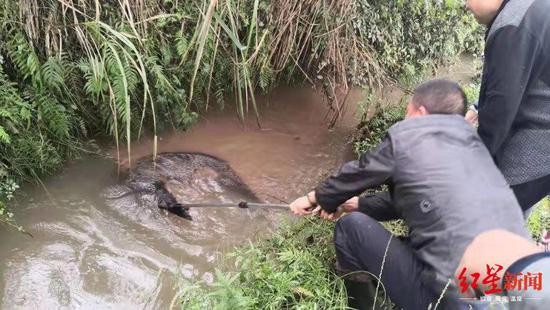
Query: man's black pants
[(360, 243), (529, 193)]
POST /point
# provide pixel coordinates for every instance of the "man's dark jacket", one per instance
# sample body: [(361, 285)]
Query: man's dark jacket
[(514, 102), (444, 183)]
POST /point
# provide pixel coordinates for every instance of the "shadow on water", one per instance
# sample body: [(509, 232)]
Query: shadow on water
[(88, 253)]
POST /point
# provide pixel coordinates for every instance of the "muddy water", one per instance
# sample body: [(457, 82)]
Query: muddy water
[(90, 255), (280, 160)]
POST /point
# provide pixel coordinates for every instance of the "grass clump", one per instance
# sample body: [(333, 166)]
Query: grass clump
[(291, 270), (371, 131)]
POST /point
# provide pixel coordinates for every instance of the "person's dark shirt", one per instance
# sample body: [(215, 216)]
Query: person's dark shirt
[(514, 102)]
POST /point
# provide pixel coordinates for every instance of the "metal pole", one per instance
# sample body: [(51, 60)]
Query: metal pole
[(242, 204)]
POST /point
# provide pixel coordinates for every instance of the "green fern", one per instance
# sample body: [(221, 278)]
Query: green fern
[(52, 72), (24, 57), (182, 45), (54, 116), (4, 136)]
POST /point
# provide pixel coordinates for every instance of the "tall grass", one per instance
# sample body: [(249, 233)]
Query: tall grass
[(75, 70)]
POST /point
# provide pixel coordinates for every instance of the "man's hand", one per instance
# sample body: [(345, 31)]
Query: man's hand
[(349, 206), (303, 205), (471, 117)]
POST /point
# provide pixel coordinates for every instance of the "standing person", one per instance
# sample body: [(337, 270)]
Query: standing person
[(514, 101), (442, 182)]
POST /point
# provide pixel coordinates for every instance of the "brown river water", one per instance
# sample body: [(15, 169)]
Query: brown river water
[(86, 254)]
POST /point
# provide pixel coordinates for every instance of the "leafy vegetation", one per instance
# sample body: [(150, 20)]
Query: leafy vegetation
[(472, 91), (7, 188), (71, 71), (412, 36), (539, 219), (292, 269), (371, 131)]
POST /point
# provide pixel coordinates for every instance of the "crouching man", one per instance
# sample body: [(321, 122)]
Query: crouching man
[(442, 181)]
